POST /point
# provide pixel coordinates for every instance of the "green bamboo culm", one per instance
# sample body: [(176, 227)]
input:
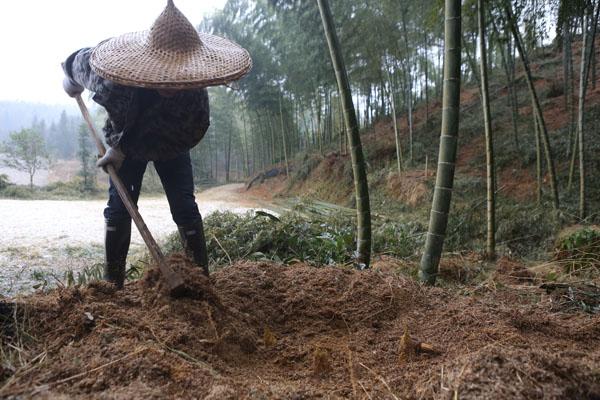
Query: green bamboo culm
[(489, 140), (442, 195), (363, 208), (538, 114)]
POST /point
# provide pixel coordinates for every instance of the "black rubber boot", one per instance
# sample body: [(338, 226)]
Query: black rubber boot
[(116, 245), (194, 243)]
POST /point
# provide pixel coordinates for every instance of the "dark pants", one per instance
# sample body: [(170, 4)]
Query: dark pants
[(177, 180)]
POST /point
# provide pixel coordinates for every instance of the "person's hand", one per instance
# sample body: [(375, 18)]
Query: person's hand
[(114, 157), (72, 88)]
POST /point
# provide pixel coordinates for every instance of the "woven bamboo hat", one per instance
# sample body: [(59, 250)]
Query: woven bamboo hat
[(171, 55)]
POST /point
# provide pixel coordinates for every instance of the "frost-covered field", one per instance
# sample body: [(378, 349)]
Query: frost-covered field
[(47, 237)]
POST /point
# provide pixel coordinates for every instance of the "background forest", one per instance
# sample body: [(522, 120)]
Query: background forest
[(541, 62)]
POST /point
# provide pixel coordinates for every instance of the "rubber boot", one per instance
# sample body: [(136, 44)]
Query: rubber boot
[(116, 245), (194, 243)]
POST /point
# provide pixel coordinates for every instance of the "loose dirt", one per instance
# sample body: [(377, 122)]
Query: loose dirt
[(268, 331), (410, 187)]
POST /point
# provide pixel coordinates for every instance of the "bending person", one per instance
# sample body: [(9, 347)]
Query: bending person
[(153, 87)]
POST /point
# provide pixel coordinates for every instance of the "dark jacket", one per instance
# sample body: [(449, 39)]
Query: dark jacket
[(145, 125)]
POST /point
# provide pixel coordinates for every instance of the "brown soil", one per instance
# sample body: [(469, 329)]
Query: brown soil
[(267, 331), (519, 184), (410, 187), (513, 271), (468, 152), (266, 191), (331, 180), (257, 196)]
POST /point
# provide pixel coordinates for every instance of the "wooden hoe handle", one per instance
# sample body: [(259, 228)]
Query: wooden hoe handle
[(174, 281)]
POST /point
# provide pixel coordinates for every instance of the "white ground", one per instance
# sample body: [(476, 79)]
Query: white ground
[(49, 237)]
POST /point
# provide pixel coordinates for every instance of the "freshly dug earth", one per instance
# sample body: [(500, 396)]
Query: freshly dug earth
[(267, 331)]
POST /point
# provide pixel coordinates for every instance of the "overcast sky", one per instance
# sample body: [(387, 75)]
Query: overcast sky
[(37, 35)]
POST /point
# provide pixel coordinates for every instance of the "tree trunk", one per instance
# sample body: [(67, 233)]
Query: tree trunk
[(471, 61), (536, 103), (426, 82), (340, 123), (245, 146), (272, 131), (287, 165), (440, 78), (396, 135), (216, 149), (228, 157), (489, 143), (448, 144), (580, 116), (568, 89), (409, 87), (587, 57), (395, 123), (306, 130), (593, 67), (538, 157), (382, 95), (410, 122), (509, 70), (358, 163), (319, 130)]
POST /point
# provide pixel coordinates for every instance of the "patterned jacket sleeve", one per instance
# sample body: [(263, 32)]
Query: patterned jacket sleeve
[(119, 101)]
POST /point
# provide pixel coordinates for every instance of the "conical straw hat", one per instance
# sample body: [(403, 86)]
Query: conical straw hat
[(171, 55)]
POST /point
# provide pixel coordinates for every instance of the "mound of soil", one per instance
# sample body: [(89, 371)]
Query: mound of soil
[(268, 331)]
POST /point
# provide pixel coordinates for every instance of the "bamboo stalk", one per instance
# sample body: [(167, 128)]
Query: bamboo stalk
[(448, 145), (489, 141), (536, 103), (363, 208), (285, 155)]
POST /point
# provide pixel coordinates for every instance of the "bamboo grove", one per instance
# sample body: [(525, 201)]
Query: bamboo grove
[(394, 52)]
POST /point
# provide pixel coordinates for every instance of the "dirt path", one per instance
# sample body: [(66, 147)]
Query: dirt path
[(47, 237)]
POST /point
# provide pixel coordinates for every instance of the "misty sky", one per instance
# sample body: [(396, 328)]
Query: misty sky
[(37, 35)]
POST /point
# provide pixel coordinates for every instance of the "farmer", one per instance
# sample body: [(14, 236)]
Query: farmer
[(153, 87)]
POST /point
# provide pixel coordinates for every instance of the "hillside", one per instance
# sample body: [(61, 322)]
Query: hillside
[(406, 196)]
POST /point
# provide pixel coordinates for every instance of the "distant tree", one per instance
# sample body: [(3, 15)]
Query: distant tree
[(62, 136), (25, 151), (87, 158), (4, 181)]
